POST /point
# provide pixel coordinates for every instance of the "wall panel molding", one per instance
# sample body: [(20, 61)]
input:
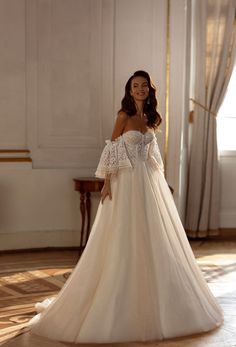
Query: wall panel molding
[(69, 54), (13, 75)]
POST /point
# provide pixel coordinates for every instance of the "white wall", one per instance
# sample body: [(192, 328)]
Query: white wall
[(228, 189), (64, 64), (38, 208)]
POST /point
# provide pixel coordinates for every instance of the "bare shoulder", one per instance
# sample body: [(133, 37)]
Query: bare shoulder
[(122, 116), (120, 124)]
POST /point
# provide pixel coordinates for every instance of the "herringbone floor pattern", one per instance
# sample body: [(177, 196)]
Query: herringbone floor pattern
[(27, 278)]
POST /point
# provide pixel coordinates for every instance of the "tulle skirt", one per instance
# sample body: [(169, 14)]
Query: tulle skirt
[(137, 279)]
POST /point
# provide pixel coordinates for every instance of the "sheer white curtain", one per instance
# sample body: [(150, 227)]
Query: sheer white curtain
[(213, 57)]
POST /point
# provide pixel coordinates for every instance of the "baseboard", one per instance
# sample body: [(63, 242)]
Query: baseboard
[(227, 233), (43, 250), (23, 240), (224, 234)]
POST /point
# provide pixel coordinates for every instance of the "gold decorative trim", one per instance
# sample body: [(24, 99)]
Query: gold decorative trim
[(15, 155), (14, 151), (167, 83), (11, 160)]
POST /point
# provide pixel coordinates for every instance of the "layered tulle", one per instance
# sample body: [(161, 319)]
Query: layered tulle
[(137, 279)]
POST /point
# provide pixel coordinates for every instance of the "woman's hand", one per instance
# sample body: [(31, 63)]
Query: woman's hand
[(106, 190)]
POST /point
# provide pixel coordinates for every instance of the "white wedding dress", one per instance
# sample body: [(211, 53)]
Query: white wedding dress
[(137, 279)]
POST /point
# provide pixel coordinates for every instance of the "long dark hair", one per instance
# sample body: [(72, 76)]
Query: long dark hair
[(128, 106)]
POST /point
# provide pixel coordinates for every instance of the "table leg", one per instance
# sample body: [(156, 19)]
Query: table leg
[(82, 210), (88, 210)]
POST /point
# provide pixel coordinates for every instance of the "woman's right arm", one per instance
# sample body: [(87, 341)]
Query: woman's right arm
[(119, 125), (117, 131)]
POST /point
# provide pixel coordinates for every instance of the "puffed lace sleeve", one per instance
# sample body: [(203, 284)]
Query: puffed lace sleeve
[(113, 158), (154, 156)]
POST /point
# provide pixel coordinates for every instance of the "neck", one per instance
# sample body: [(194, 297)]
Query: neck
[(139, 107)]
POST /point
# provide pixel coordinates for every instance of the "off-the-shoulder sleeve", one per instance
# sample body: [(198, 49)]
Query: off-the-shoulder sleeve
[(113, 158), (154, 156)]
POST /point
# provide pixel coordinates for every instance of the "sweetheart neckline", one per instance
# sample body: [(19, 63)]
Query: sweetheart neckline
[(140, 132)]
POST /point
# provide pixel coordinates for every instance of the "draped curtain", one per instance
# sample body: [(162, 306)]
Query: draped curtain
[(213, 58)]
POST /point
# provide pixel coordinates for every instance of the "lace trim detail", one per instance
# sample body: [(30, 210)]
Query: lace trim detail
[(113, 158)]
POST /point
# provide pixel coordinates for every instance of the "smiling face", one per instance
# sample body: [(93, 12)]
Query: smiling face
[(139, 88)]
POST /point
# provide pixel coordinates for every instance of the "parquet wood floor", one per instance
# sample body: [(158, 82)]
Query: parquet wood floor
[(26, 278)]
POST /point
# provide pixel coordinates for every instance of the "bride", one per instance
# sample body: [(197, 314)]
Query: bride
[(137, 279)]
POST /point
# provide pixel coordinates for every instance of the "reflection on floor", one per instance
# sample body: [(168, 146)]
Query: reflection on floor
[(30, 277)]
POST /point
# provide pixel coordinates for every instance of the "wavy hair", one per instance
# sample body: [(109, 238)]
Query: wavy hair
[(128, 106)]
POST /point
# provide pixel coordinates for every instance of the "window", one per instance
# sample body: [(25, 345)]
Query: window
[(226, 119)]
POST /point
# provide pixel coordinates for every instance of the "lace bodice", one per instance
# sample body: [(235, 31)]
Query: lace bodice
[(126, 150), (137, 145)]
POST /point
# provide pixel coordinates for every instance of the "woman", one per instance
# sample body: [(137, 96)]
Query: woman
[(137, 279)]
